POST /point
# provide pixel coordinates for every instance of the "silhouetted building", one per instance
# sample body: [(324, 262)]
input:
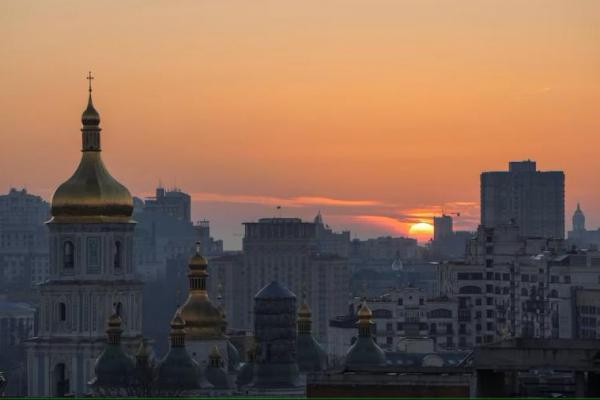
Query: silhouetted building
[(23, 240), (533, 200), (174, 202), (442, 227), (17, 324), (330, 242), (580, 237), (382, 253), (447, 243), (287, 250)]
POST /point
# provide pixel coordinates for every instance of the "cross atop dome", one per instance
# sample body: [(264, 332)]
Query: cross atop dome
[(89, 78)]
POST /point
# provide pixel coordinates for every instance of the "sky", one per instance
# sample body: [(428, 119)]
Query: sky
[(380, 114)]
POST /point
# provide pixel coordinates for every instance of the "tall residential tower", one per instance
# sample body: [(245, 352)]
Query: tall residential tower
[(533, 200)]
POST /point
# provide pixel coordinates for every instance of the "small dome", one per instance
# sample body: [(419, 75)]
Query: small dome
[(310, 355), (304, 312), (178, 371), (365, 353), (364, 312), (215, 373), (275, 290), (114, 321), (177, 322), (198, 261), (113, 367), (90, 116)]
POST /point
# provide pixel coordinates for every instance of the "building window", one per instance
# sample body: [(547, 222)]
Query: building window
[(68, 255), (62, 312), (118, 255)]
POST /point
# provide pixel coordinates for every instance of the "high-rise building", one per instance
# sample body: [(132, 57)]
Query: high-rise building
[(442, 227), (286, 250), (447, 243), (91, 274), (533, 200), (23, 239), (170, 202)]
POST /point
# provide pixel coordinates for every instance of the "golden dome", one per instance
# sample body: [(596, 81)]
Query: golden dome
[(114, 321), (198, 261), (364, 312), (91, 194), (304, 312), (203, 320)]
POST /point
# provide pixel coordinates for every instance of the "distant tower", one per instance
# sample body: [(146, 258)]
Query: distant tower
[(91, 274), (275, 335), (203, 320), (578, 220)]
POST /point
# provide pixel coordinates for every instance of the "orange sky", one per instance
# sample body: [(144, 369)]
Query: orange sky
[(380, 113)]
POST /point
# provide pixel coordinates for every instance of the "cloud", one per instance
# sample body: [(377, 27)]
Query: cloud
[(299, 201)]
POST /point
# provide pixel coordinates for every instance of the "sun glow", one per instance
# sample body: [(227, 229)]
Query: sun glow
[(421, 230)]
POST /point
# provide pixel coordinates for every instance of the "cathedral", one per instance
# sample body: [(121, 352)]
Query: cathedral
[(90, 339), (91, 273)]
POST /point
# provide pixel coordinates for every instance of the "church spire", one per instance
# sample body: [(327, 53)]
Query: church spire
[(91, 121)]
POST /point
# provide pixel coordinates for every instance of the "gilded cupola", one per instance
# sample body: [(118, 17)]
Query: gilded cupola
[(203, 320), (91, 194), (365, 352)]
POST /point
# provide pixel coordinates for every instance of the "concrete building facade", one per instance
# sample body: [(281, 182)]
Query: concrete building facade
[(533, 200)]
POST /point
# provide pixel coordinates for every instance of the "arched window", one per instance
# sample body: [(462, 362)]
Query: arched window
[(62, 312), (553, 293), (118, 255), (68, 255)]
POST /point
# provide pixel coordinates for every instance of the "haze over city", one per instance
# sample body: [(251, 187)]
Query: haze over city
[(379, 114)]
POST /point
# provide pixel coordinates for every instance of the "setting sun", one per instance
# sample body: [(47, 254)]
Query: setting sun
[(421, 230)]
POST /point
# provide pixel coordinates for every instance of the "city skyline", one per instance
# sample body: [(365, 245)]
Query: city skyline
[(331, 111)]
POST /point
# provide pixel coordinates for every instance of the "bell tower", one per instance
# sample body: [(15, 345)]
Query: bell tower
[(91, 273)]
